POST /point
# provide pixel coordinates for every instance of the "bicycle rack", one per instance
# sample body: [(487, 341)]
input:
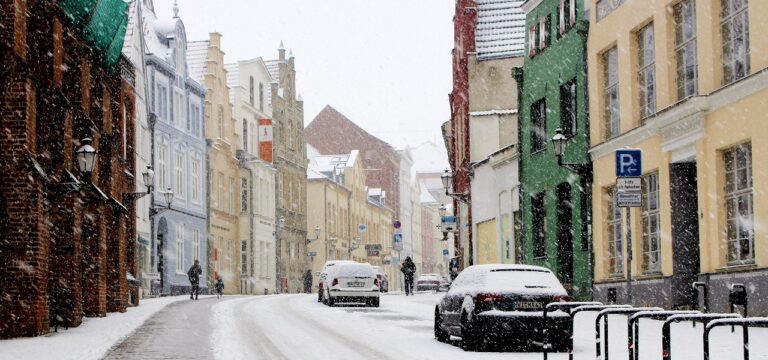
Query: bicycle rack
[(605, 313), (745, 323), (579, 309), (633, 327), (666, 328), (567, 306)]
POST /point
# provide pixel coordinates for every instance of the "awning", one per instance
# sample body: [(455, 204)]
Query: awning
[(104, 23)]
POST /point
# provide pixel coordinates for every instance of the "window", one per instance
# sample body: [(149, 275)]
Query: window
[(261, 97), (734, 29), (195, 115), (231, 195), (611, 93), (615, 234), (544, 26), (739, 207), (568, 108), (244, 195), (195, 244), (162, 168), (179, 175), (219, 249), (532, 41), (685, 49), (244, 257), (220, 193), (539, 125), (650, 219), (179, 248), (245, 135), (220, 122), (646, 73), (230, 258), (566, 15), (605, 7), (251, 91), (178, 109), (539, 225), (195, 181), (162, 102)]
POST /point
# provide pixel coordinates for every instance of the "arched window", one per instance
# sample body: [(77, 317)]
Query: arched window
[(261, 97), (245, 135), (251, 89)]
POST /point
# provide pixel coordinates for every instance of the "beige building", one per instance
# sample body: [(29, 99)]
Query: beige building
[(685, 81), (290, 159), (338, 204), (206, 64)]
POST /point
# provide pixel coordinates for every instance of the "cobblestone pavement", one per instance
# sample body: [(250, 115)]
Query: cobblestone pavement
[(180, 331)]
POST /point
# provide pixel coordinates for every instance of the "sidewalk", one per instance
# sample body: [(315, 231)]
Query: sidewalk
[(91, 340)]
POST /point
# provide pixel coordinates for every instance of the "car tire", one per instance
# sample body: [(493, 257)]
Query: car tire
[(319, 296), (440, 334), (330, 302), (469, 338), (375, 302)]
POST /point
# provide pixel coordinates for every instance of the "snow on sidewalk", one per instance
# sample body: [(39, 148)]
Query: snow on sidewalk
[(91, 340)]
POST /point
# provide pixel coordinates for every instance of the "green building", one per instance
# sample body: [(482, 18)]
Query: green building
[(556, 201)]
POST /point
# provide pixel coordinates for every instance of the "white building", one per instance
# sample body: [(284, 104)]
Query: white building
[(250, 82)]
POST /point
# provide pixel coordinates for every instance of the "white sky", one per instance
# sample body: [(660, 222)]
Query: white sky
[(385, 64)]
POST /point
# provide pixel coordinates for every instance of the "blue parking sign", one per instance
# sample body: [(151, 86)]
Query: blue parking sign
[(629, 163)]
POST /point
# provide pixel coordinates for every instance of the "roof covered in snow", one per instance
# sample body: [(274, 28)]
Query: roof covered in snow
[(197, 59), (329, 166), (500, 29)]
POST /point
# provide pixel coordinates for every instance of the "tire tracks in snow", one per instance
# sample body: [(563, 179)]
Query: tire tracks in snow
[(253, 333)]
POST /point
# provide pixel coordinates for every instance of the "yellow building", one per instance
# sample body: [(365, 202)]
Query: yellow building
[(684, 81), (206, 62), (338, 203)]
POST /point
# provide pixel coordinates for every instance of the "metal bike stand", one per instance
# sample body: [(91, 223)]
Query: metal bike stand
[(605, 313), (703, 318), (745, 323), (633, 327), (597, 308), (567, 306)]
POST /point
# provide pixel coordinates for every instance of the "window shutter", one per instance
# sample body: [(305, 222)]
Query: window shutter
[(532, 41), (561, 12), (572, 14)]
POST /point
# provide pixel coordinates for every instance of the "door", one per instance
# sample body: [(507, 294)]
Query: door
[(565, 236)]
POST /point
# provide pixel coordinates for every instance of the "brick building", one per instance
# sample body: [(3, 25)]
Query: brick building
[(65, 248)]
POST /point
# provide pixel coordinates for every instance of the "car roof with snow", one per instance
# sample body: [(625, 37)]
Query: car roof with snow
[(351, 269), (507, 278)]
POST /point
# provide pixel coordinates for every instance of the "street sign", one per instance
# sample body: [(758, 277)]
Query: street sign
[(445, 252), (362, 228), (629, 163), (397, 242), (373, 249), (150, 275), (141, 240), (448, 223), (397, 224), (628, 184), (629, 199), (312, 253)]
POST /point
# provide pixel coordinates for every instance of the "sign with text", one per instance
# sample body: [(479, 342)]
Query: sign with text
[(448, 223), (311, 253), (629, 184), (362, 228), (373, 249), (397, 243), (265, 140), (629, 199), (150, 275), (629, 163)]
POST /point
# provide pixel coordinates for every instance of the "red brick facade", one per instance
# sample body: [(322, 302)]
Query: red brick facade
[(65, 251), (333, 133)]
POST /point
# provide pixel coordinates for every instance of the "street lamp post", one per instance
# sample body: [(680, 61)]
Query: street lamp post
[(280, 224)]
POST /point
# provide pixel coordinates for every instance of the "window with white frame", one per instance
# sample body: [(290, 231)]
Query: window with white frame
[(220, 192), (162, 101), (178, 108), (685, 49), (734, 31), (605, 7), (230, 257), (162, 167), (219, 255), (566, 15), (195, 181), (646, 72), (539, 125), (179, 248), (651, 223), (231, 195), (195, 244), (611, 93), (245, 134), (244, 195), (261, 97), (244, 257), (179, 175), (251, 91), (194, 115), (615, 234), (739, 208), (568, 108)]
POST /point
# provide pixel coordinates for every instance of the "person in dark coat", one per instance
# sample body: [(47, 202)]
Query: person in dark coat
[(308, 282), (408, 269), (219, 287), (194, 278)]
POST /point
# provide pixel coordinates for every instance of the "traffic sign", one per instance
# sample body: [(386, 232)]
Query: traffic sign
[(312, 253), (628, 184), (448, 223), (628, 199), (629, 163), (397, 242), (397, 224), (362, 228), (373, 249), (150, 275), (445, 252)]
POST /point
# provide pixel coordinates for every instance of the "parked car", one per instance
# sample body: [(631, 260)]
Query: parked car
[(352, 283), (428, 282), (383, 279), (498, 303), (445, 284), (324, 275)]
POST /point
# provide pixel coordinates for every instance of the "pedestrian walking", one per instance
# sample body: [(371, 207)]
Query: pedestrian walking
[(408, 269), (194, 279), (308, 282), (219, 288)]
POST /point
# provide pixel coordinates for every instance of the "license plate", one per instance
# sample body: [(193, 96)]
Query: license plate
[(528, 305), (356, 284)]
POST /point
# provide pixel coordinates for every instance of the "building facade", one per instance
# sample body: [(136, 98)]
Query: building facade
[(552, 86), (291, 162), (249, 83), (67, 231), (683, 81), (206, 66), (179, 154)]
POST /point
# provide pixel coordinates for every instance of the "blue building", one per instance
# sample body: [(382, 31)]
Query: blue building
[(175, 102)]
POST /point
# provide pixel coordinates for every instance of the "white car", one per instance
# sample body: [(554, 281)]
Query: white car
[(352, 283), (323, 275)]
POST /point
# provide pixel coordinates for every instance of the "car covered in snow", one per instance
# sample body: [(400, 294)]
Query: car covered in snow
[(500, 303), (383, 279), (352, 283), (427, 282), (324, 275)]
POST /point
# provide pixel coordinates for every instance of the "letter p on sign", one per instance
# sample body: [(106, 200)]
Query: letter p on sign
[(629, 163)]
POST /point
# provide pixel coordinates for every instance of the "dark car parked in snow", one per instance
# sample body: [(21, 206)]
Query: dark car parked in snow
[(490, 304)]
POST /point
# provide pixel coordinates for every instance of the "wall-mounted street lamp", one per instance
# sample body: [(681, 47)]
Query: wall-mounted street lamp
[(149, 178), (559, 142), (86, 156), (317, 235), (447, 179)]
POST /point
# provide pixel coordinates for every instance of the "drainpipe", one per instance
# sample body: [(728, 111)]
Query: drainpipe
[(208, 210)]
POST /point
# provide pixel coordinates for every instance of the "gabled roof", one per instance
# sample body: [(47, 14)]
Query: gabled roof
[(197, 60), (500, 29), (273, 66)]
